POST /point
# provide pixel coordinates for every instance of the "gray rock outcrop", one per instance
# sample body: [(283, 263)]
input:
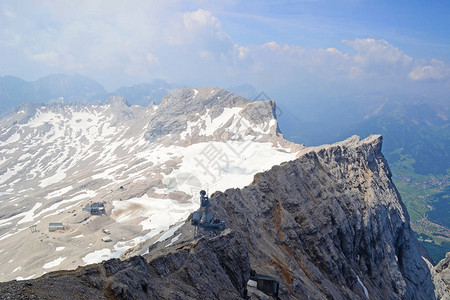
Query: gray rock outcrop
[(188, 105), (441, 278), (216, 268)]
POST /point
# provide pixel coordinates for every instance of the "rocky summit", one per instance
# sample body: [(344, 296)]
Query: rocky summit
[(311, 223)]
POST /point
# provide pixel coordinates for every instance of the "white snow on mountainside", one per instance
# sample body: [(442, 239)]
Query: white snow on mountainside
[(145, 164)]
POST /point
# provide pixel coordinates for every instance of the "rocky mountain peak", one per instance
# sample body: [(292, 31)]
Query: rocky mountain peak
[(144, 163), (117, 101), (330, 224), (197, 100), (196, 115)]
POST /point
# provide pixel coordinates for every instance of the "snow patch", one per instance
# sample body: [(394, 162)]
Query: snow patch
[(366, 292), (12, 139), (24, 278), (29, 215), (169, 233), (97, 256), (174, 240), (58, 177), (59, 192), (17, 269), (159, 214), (54, 263)]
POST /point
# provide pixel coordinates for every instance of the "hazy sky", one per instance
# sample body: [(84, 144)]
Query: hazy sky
[(330, 47)]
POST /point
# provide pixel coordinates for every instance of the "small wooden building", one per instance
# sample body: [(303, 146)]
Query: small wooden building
[(55, 226), (97, 208)]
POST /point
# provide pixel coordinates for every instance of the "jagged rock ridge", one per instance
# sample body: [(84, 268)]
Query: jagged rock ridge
[(187, 273), (330, 224)]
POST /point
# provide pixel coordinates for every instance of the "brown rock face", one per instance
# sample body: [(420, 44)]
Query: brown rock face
[(330, 224)]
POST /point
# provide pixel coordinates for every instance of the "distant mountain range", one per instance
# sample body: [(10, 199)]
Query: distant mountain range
[(416, 128), (69, 88), (64, 88), (145, 93), (419, 129)]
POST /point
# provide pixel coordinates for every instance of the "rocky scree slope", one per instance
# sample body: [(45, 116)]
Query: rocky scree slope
[(327, 225)]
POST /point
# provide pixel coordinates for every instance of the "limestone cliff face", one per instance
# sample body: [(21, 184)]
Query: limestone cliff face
[(327, 225), (330, 224), (441, 278)]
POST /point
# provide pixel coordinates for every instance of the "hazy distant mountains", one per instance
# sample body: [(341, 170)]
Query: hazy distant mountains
[(416, 129), (145, 93), (419, 129), (74, 88), (15, 91)]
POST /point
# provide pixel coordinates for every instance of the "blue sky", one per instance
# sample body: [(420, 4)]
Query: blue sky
[(421, 28), (346, 48)]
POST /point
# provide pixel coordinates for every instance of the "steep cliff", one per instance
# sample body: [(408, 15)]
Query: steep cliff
[(327, 225), (441, 277), (330, 224)]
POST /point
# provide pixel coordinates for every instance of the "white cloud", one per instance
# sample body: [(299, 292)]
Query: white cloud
[(274, 46), (50, 58), (9, 38), (371, 50), (8, 13), (435, 69), (368, 65), (243, 52), (190, 27), (200, 19), (153, 60), (378, 57), (335, 51), (54, 59)]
